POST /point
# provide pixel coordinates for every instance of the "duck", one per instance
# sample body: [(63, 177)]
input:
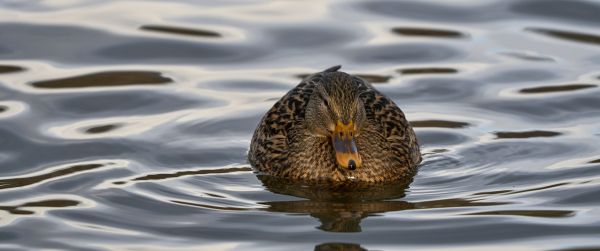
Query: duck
[(335, 128)]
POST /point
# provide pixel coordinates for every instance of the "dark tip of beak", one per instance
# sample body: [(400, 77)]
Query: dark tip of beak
[(351, 164)]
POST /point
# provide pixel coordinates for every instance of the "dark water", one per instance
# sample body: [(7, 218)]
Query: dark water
[(125, 125)]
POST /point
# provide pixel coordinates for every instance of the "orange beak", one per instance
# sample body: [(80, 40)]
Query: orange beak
[(344, 144)]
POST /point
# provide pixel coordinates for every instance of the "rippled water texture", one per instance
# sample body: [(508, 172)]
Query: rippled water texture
[(125, 125)]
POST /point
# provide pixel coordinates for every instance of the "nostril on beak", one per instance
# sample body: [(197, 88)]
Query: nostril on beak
[(351, 164)]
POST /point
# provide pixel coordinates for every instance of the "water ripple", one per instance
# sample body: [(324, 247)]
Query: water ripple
[(162, 176), (439, 124), (529, 213), (102, 79), (556, 88), (4, 69), (55, 172), (568, 35), (9, 108), (526, 134), (19, 209), (427, 32), (180, 31), (428, 70)]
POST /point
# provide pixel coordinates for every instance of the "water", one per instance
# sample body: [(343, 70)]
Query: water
[(125, 125)]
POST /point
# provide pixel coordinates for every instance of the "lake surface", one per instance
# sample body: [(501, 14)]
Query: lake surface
[(125, 125)]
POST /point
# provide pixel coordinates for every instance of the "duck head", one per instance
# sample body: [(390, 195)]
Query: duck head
[(336, 111)]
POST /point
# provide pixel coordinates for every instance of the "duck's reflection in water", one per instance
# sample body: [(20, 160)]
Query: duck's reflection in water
[(339, 209), (339, 247)]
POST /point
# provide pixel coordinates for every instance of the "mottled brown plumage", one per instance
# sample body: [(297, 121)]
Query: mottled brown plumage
[(294, 138)]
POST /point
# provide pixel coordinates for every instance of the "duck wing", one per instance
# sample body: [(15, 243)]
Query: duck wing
[(383, 112), (270, 144)]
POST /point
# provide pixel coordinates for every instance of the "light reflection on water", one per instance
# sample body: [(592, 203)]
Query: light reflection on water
[(131, 132)]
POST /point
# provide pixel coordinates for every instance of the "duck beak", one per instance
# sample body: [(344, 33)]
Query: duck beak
[(344, 144)]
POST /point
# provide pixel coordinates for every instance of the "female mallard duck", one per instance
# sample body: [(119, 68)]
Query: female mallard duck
[(334, 127)]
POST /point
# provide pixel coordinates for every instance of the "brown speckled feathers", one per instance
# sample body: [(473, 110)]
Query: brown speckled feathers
[(283, 146)]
